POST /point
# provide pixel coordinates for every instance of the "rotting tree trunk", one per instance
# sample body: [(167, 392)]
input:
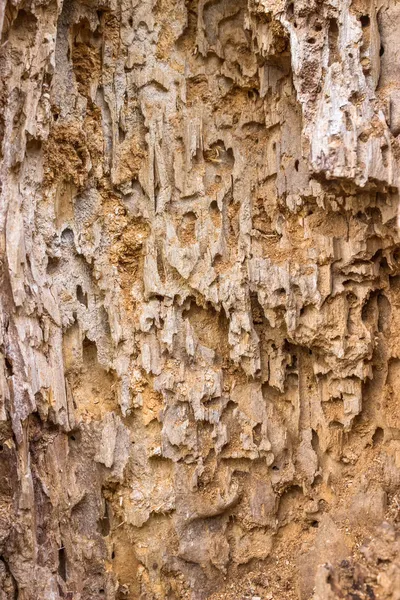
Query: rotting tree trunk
[(200, 299)]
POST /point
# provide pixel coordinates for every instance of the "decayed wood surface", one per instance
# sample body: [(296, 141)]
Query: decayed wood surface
[(200, 300)]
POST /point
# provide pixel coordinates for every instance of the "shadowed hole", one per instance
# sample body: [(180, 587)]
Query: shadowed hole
[(365, 21), (82, 296), (378, 436), (62, 563)]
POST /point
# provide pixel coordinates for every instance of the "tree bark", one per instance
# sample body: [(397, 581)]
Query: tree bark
[(200, 293)]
